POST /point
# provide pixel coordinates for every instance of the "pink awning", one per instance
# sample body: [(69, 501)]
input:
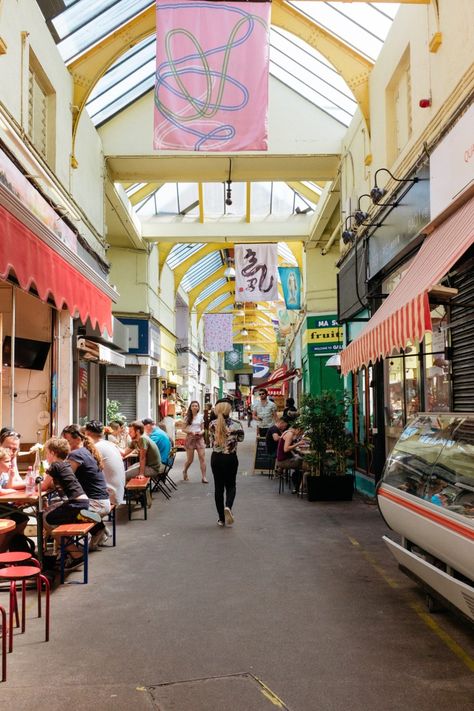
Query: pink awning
[(405, 315), (34, 262)]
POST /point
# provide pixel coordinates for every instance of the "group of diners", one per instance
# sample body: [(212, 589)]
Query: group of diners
[(86, 474)]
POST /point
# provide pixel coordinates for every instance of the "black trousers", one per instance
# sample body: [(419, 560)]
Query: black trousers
[(224, 470)]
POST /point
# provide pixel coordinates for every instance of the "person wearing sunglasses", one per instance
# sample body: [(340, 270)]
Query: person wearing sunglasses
[(264, 411), (9, 439)]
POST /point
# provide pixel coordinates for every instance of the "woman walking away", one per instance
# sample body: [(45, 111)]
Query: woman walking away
[(195, 440), (225, 433)]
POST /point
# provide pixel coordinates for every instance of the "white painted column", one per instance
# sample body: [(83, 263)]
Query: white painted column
[(65, 370), (144, 407)]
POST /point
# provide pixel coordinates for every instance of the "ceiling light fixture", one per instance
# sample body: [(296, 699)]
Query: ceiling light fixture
[(378, 193), (228, 192), (244, 332)]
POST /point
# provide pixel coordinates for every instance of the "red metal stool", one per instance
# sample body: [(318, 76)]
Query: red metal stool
[(17, 573), (3, 615), (17, 558)]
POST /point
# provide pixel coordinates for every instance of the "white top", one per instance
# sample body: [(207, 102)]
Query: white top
[(114, 470), (196, 425)]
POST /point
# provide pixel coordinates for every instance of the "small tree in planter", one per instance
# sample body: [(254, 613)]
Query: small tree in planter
[(323, 418)]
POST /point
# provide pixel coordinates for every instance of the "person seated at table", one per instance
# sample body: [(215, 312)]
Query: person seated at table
[(9, 439), (113, 467), (288, 458), (7, 475), (290, 413), (116, 432), (273, 436), (149, 460), (87, 465), (160, 438)]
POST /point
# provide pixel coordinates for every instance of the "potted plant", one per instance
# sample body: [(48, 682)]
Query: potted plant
[(323, 419)]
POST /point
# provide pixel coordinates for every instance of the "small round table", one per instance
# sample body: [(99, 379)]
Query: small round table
[(6, 525)]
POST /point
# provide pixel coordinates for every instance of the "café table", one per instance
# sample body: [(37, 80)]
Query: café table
[(6, 525)]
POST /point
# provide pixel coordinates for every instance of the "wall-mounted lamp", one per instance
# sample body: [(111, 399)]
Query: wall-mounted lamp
[(348, 235), (378, 193), (359, 215)]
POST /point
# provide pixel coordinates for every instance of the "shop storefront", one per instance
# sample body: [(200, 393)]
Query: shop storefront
[(322, 338), (44, 284)]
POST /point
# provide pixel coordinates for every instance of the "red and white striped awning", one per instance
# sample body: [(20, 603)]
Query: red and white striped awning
[(280, 375), (405, 315)]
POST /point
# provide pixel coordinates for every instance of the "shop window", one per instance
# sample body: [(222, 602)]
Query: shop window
[(41, 110), (363, 412), (399, 112), (437, 391)]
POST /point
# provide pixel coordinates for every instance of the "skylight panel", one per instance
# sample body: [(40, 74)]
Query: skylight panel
[(210, 290), (181, 252)]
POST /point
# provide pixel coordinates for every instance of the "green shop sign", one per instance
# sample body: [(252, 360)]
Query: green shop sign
[(323, 335)]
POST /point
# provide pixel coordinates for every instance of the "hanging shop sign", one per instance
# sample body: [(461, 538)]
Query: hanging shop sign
[(290, 278), (211, 90), (256, 277), (323, 335)]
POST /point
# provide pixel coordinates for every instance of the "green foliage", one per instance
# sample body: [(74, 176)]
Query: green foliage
[(113, 411), (323, 419)]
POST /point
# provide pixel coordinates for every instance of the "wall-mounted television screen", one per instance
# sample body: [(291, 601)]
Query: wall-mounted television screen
[(28, 354)]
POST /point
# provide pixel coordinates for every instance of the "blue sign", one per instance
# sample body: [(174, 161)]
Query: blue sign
[(291, 285)]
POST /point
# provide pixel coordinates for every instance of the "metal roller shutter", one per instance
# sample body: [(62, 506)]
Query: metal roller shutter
[(123, 388), (462, 340)]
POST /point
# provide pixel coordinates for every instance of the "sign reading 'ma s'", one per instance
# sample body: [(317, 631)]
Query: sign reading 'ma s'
[(323, 335)]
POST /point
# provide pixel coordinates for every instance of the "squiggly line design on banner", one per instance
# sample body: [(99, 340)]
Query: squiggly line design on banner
[(170, 75)]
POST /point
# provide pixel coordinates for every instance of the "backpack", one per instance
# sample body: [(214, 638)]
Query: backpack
[(21, 543)]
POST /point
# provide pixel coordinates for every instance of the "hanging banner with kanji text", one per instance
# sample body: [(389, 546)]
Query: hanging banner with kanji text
[(211, 88), (256, 276)]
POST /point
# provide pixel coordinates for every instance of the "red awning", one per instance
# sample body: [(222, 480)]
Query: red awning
[(280, 375), (34, 262), (405, 315)]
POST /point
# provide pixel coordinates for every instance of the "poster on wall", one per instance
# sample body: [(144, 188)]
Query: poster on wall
[(256, 276), (290, 278), (211, 88)]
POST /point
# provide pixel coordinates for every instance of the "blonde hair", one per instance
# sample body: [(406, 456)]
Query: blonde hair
[(222, 410), (4, 454)]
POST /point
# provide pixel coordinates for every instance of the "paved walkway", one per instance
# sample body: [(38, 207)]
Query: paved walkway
[(297, 606)]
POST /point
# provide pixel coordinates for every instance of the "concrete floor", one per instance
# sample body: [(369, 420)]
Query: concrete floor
[(298, 606)]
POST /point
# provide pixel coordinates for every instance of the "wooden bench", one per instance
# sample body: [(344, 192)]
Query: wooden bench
[(136, 490), (77, 533)]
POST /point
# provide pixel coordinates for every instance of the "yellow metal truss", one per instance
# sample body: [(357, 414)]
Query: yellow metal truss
[(87, 69)]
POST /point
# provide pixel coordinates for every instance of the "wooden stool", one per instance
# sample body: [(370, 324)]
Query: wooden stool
[(78, 534), (17, 573), (136, 489)]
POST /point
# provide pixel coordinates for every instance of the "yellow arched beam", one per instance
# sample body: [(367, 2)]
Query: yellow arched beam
[(303, 189), (87, 69), (193, 294), (352, 66), (219, 308), (141, 194), (164, 249), (296, 249)]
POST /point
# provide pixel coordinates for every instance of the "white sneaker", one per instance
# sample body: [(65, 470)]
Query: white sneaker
[(229, 519), (220, 523)]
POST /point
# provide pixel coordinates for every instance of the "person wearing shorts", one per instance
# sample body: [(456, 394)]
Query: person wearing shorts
[(195, 441)]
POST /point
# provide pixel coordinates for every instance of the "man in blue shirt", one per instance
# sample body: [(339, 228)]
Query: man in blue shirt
[(159, 437)]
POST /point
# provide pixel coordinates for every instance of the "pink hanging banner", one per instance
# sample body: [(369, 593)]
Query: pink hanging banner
[(211, 91)]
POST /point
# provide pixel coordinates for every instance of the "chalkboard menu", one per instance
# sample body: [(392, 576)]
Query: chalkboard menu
[(262, 459)]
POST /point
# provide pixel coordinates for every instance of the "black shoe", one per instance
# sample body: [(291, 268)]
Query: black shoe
[(71, 563)]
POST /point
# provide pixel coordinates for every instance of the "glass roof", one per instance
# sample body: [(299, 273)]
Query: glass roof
[(214, 304), (84, 23), (201, 270), (268, 198), (181, 252), (211, 289)]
